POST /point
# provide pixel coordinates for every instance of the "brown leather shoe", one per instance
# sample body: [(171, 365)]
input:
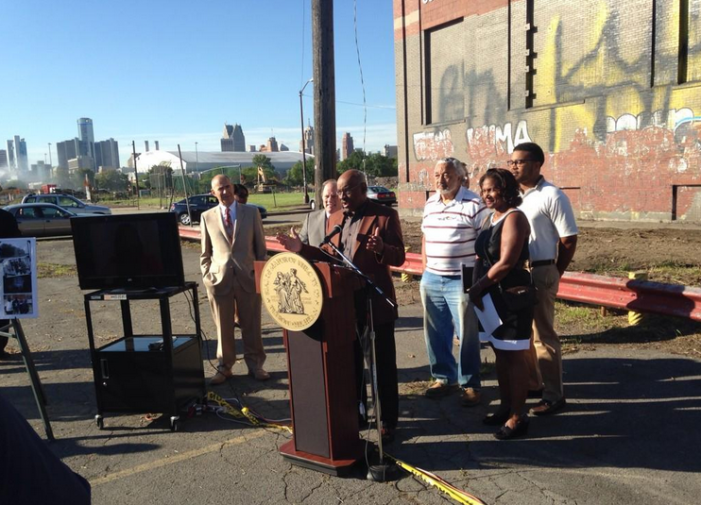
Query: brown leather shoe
[(259, 375), (470, 397), (439, 388), (223, 373)]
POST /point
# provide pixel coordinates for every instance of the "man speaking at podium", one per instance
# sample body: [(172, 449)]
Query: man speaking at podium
[(371, 236)]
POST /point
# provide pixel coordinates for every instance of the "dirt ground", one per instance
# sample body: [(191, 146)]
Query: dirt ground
[(612, 251)]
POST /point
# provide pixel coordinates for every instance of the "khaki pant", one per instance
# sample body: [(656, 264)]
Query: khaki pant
[(545, 356), (249, 309)]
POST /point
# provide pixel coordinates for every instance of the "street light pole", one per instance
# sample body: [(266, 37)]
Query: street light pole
[(50, 161), (304, 147)]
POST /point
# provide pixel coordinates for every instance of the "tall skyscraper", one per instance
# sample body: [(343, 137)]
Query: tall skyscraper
[(10, 154), (3, 159), (21, 155), (308, 140), (107, 154), (233, 139), (272, 146), (67, 150), (347, 146), (87, 137)]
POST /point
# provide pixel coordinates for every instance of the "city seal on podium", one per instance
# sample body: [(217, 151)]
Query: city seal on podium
[(291, 291)]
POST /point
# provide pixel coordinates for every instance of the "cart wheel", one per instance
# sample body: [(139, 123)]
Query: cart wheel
[(100, 422), (175, 423)]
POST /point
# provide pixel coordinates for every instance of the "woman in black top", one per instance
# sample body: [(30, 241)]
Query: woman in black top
[(502, 250)]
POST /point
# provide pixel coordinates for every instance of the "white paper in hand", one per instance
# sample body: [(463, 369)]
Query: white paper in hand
[(488, 318)]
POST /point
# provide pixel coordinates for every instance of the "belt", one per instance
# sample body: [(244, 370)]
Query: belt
[(542, 263)]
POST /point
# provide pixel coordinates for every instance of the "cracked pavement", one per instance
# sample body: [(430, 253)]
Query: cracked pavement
[(628, 436)]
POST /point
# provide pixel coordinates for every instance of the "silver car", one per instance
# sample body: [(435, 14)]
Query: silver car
[(69, 203), (41, 219)]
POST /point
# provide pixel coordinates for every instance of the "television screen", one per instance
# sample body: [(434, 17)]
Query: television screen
[(128, 251)]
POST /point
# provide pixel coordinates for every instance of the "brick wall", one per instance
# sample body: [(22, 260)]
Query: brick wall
[(601, 85)]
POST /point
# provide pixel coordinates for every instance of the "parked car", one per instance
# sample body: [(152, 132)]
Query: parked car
[(41, 219), (200, 203), (381, 194), (67, 202)]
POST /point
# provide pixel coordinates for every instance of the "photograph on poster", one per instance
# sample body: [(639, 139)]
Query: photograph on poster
[(18, 278)]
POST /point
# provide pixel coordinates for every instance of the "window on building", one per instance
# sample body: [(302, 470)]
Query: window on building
[(445, 73)]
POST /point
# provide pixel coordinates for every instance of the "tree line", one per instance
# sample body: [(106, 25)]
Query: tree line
[(161, 176)]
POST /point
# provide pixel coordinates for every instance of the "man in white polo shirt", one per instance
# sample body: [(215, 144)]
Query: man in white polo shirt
[(552, 245), (451, 221)]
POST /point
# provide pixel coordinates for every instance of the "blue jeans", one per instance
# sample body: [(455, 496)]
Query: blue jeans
[(447, 310)]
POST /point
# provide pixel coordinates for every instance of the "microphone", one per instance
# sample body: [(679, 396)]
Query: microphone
[(336, 230)]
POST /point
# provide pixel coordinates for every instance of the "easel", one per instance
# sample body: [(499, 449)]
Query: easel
[(39, 396)]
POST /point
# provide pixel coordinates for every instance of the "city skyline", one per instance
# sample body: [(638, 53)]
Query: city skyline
[(147, 100)]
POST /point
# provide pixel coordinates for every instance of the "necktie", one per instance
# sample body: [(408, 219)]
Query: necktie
[(228, 223)]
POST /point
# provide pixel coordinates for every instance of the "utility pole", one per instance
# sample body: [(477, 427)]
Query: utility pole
[(324, 94), (136, 174)]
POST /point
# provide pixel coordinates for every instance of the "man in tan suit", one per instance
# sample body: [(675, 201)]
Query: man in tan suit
[(232, 239)]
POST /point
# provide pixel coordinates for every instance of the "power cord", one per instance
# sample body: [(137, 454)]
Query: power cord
[(203, 334)]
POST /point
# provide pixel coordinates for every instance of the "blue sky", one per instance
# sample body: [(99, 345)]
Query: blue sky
[(176, 70)]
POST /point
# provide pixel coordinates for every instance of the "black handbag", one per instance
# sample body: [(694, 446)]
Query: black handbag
[(519, 298)]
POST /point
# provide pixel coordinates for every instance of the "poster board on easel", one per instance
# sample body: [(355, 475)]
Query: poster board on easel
[(18, 278)]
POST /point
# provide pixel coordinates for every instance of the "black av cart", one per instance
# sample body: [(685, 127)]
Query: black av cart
[(160, 373)]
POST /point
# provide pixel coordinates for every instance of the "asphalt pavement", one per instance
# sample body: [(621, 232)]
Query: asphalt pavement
[(630, 434)]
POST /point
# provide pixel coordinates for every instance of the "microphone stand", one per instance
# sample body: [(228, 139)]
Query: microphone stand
[(385, 470)]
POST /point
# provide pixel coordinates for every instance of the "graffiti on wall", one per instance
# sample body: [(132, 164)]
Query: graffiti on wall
[(494, 140), (675, 132), (433, 145), (671, 119), (607, 107)]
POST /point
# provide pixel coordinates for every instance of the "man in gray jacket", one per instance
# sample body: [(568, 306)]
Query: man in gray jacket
[(314, 228)]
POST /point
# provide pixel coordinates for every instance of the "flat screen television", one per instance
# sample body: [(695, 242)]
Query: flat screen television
[(128, 251)]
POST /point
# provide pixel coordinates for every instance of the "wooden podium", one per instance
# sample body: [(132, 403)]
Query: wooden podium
[(322, 381)]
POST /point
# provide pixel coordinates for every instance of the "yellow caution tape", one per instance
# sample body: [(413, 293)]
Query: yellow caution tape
[(456, 494), (433, 480), (244, 413), (228, 408)]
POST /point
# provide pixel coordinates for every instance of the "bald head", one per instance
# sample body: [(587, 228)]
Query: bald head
[(353, 189), (223, 189), (220, 179), (329, 195)]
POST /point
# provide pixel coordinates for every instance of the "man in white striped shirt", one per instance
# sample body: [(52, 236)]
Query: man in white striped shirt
[(451, 221)]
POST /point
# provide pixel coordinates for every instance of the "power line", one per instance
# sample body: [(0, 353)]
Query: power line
[(387, 107), (360, 67)]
